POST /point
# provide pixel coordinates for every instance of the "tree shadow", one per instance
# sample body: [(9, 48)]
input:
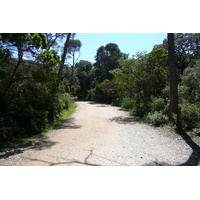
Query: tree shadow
[(194, 158), (157, 163), (99, 104), (69, 161), (42, 142), (73, 161), (123, 109), (67, 124), (126, 120)]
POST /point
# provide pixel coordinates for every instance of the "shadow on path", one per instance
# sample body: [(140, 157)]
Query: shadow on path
[(194, 158), (69, 161), (72, 162), (99, 104), (67, 124), (42, 142), (126, 120)]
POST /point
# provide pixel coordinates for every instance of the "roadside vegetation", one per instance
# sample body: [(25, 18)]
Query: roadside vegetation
[(37, 84), (142, 83), (34, 94)]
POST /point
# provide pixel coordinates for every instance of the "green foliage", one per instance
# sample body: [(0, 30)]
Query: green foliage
[(31, 98), (49, 57), (3, 74), (31, 120), (91, 94), (159, 104), (186, 49), (190, 114), (191, 83), (139, 110), (157, 118), (42, 77), (140, 79), (107, 59), (74, 46), (73, 90), (127, 102), (107, 87), (59, 120), (39, 40), (86, 78), (196, 131), (67, 88), (5, 55), (24, 42)]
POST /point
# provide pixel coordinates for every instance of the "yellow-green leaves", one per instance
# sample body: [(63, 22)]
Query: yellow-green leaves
[(49, 57)]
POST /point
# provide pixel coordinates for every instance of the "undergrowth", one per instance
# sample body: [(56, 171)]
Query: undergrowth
[(9, 143)]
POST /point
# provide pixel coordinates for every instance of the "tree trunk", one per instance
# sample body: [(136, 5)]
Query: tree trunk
[(173, 109), (72, 78), (63, 58)]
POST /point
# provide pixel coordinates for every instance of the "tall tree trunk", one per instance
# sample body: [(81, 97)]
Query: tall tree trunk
[(63, 58), (73, 63), (172, 78)]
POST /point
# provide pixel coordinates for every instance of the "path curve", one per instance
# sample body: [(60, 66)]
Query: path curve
[(99, 134)]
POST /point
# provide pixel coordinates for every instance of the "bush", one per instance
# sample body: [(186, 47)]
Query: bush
[(57, 104), (190, 114), (91, 94), (127, 103), (157, 118), (158, 104), (139, 111), (32, 121)]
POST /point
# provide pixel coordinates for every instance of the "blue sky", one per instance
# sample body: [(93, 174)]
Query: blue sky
[(128, 42)]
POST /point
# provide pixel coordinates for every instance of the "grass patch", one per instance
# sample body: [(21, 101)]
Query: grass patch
[(64, 115)]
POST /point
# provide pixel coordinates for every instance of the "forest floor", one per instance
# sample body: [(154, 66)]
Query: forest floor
[(104, 135)]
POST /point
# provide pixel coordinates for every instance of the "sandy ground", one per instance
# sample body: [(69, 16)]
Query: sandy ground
[(104, 135)]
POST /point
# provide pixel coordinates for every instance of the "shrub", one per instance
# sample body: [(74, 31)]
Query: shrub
[(127, 103), (57, 104), (91, 94), (190, 114), (139, 111), (158, 104), (32, 121), (196, 131), (157, 118)]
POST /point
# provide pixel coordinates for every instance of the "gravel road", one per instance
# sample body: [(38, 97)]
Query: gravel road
[(104, 135)]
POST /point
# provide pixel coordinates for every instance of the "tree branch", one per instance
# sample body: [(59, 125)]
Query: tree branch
[(63, 58)]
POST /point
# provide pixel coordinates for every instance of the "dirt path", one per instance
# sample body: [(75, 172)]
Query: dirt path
[(99, 134)]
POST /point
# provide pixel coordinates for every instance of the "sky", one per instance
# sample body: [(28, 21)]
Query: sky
[(129, 43)]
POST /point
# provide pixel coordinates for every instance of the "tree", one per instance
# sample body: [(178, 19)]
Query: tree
[(86, 76), (21, 44), (74, 46), (30, 96), (53, 39), (173, 108), (141, 79), (63, 58), (48, 58), (187, 47), (107, 59)]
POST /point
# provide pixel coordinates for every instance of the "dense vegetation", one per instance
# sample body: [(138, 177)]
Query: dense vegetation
[(37, 83), (142, 83), (33, 90)]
